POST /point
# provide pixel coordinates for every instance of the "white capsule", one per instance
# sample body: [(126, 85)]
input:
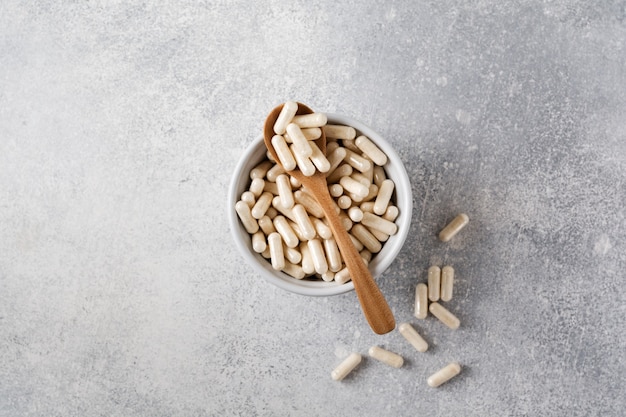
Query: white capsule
[(345, 221), (421, 301), (349, 145), (357, 176), (304, 222), (379, 175), (434, 283), (296, 229), (384, 196), (355, 214), (366, 238), (300, 145), (372, 194), (288, 213), (310, 133), (371, 150), (353, 186), (356, 243), (447, 283), (392, 359), (355, 198), (333, 257), (413, 337), (295, 184), (318, 158), (342, 170), (391, 213), (256, 186), (378, 223), (284, 191), (261, 205), (322, 229), (339, 132), (344, 202), (331, 145), (274, 172), (366, 256), (292, 255), (380, 236), (357, 161), (286, 232), (248, 198), (284, 153), (346, 366), (266, 225), (444, 374), (285, 116), (444, 315), (317, 254), (368, 206), (335, 190), (266, 253), (307, 261), (328, 276), (335, 157), (275, 243), (342, 276), (310, 120), (243, 211), (310, 204), (260, 170), (304, 164), (293, 270), (454, 227), (258, 242)]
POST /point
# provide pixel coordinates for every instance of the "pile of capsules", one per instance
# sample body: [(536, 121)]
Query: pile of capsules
[(288, 226), (439, 287)]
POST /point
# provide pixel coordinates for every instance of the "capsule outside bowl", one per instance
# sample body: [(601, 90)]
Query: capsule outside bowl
[(394, 169)]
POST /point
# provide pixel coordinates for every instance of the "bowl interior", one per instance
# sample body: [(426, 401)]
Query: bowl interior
[(394, 168)]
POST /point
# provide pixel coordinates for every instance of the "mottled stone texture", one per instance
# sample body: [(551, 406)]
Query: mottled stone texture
[(121, 293)]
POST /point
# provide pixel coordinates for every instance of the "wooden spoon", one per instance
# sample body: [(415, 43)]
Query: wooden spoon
[(373, 303)]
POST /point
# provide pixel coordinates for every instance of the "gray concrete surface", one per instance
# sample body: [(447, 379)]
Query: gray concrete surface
[(121, 293)]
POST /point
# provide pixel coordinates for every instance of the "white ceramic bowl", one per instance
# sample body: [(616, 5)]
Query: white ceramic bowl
[(380, 262)]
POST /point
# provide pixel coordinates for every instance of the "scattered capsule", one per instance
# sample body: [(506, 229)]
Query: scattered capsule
[(434, 283), (392, 359), (413, 337), (346, 366), (447, 283), (285, 116), (243, 211), (454, 227), (371, 150), (444, 374), (421, 301), (444, 315)]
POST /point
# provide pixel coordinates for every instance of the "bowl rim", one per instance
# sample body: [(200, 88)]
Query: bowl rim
[(321, 288)]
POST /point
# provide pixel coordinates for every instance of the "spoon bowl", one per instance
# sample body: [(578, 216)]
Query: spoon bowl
[(373, 303)]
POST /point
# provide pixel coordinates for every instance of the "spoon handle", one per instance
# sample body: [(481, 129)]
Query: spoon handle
[(373, 303)]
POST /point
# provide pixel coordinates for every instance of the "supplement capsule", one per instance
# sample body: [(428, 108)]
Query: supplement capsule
[(288, 213), (258, 242), (266, 225), (342, 276), (309, 203), (295, 184), (357, 161), (354, 186), (261, 205), (421, 301), (322, 229), (310, 133), (284, 191), (386, 357), (285, 231), (304, 163), (260, 170), (275, 243), (292, 254), (447, 283), (372, 194), (380, 236), (339, 132), (256, 187), (301, 146), (284, 154), (355, 214), (293, 270), (391, 213), (379, 175), (371, 150), (307, 261), (378, 223), (434, 283), (342, 170), (243, 211), (444, 315), (335, 190), (304, 222), (344, 202), (317, 254), (285, 116), (296, 229), (328, 276), (366, 238), (274, 172), (346, 366), (454, 227), (413, 337), (384, 196), (310, 120), (444, 374), (318, 158), (248, 198), (335, 157), (333, 257), (331, 146), (356, 242)]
